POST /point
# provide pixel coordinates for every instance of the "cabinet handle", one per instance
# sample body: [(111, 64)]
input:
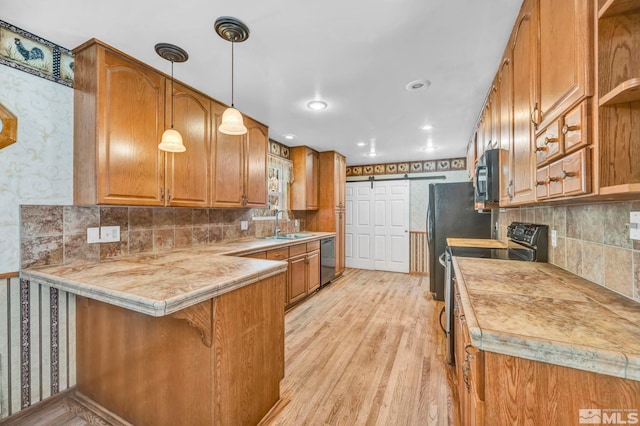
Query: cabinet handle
[(566, 129), (552, 179), (161, 194), (168, 194), (540, 183), (466, 351), (466, 366), (548, 140), (534, 113), (540, 148), (566, 174)]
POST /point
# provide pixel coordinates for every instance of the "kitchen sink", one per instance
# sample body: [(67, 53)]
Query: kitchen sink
[(288, 236)]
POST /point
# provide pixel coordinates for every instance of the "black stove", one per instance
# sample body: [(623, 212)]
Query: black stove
[(527, 241)]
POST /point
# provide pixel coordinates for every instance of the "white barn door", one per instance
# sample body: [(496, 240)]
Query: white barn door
[(378, 226)]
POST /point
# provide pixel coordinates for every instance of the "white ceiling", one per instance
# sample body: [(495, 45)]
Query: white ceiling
[(357, 55)]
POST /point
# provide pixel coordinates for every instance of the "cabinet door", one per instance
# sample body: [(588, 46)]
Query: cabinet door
[(504, 80), (187, 177), (312, 180), (131, 122), (313, 270), (297, 278), (257, 140), (564, 50), (524, 66), (339, 181), (339, 248), (228, 166)]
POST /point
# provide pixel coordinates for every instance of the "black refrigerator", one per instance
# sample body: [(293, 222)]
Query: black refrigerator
[(451, 213)]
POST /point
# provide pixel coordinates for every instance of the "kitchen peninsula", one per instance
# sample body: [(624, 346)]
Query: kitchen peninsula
[(192, 336)]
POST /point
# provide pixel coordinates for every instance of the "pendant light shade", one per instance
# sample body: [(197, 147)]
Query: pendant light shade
[(232, 122), (171, 140), (235, 31)]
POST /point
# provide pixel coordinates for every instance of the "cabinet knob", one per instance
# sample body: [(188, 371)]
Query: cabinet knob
[(162, 194), (566, 174), (548, 140), (566, 129), (553, 179), (169, 194), (540, 148), (540, 183)]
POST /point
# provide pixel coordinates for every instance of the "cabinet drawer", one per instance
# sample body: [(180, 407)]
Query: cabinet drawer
[(297, 249), (548, 146), (574, 127), (576, 173), (571, 175), (313, 245), (259, 255), (555, 179), (542, 184), (278, 254)]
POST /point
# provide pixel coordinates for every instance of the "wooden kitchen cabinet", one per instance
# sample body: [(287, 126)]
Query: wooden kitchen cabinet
[(506, 115), (304, 271), (122, 107), (187, 182), (469, 369), (565, 49), (524, 72), (119, 117), (304, 189), (239, 165), (330, 216)]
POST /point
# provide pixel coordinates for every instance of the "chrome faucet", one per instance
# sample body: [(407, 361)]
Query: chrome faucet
[(276, 231)]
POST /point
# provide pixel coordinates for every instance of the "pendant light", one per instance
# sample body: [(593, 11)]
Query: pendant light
[(235, 31), (171, 139)]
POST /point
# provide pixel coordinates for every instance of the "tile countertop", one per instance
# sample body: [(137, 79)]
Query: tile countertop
[(161, 283), (543, 313)]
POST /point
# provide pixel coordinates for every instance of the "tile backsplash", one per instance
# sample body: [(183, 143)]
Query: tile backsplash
[(52, 235), (593, 241)]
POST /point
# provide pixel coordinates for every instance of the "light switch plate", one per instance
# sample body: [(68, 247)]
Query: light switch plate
[(554, 238), (93, 235), (634, 226), (244, 225)]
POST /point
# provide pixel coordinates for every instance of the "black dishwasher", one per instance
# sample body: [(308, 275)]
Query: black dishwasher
[(327, 260)]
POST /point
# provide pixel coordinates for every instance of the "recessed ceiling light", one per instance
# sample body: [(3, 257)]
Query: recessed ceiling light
[(427, 127), (371, 154), (417, 85), (361, 144), (317, 105), (289, 136)]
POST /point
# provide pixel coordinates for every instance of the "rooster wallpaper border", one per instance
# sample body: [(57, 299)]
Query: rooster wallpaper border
[(27, 52)]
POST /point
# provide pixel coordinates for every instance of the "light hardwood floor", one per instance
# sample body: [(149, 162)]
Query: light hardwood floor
[(367, 350)]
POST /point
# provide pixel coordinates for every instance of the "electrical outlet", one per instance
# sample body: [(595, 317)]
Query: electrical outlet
[(296, 222), (554, 238), (109, 234), (244, 225), (634, 226), (93, 235)]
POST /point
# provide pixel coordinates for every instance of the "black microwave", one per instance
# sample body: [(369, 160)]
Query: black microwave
[(488, 177)]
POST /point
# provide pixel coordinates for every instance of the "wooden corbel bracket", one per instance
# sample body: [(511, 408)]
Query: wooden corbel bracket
[(8, 127)]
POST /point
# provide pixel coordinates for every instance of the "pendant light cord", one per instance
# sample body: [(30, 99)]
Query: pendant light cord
[(172, 94), (232, 72)]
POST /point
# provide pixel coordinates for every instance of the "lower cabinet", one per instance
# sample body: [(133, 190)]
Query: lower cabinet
[(303, 276)]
